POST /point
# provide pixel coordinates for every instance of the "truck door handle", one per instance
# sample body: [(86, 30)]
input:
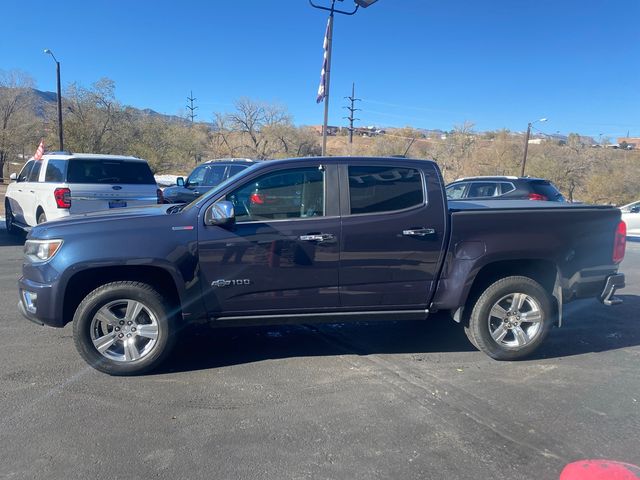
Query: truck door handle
[(419, 232), (317, 237)]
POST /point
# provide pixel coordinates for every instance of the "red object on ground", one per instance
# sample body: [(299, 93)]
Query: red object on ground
[(600, 470)]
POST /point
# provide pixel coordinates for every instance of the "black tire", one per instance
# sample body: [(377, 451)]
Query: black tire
[(41, 217), (9, 220), (483, 320), (85, 328)]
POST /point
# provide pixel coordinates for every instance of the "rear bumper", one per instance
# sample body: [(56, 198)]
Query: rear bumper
[(613, 283)]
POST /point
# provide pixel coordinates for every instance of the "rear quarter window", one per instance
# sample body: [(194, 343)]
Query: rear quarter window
[(56, 171), (109, 171)]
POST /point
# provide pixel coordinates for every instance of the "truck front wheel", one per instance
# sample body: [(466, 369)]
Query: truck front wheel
[(511, 318), (124, 328)]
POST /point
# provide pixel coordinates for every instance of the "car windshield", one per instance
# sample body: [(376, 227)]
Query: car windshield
[(109, 171)]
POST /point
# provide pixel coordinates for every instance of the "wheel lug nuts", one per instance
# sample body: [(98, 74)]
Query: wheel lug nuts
[(129, 322), (121, 322), (117, 329), (133, 329), (120, 335), (128, 335)]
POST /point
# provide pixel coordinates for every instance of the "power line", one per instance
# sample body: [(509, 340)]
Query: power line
[(351, 107)]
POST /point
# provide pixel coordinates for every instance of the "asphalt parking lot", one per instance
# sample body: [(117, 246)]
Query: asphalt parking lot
[(403, 400)]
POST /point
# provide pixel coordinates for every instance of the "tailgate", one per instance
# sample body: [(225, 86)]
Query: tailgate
[(93, 197)]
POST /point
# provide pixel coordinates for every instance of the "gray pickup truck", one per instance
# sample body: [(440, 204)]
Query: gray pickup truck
[(318, 240)]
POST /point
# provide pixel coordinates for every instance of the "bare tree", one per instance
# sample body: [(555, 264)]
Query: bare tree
[(17, 121)]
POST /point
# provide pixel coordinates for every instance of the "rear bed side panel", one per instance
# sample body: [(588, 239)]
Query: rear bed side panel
[(579, 242)]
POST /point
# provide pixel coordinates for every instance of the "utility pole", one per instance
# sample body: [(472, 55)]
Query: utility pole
[(191, 107), (352, 99)]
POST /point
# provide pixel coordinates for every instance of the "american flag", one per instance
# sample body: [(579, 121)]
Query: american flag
[(322, 90), (39, 151)]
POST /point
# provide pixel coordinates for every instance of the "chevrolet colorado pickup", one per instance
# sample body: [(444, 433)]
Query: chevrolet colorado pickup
[(318, 240)]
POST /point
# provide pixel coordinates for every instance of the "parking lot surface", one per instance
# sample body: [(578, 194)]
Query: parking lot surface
[(405, 400)]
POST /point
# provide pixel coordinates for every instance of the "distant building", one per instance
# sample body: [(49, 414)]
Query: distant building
[(634, 142), (331, 130)]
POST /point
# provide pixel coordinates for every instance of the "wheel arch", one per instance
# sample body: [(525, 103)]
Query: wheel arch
[(85, 281), (545, 272)]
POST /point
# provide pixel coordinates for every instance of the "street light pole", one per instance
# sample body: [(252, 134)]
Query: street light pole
[(60, 131), (327, 73), (526, 144)]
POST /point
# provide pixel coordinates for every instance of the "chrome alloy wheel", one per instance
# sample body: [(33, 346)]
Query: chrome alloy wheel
[(515, 320), (124, 330)]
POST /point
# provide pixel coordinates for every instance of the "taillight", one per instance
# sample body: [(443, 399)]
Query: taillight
[(537, 196), (620, 242), (63, 197), (256, 199), (160, 196)]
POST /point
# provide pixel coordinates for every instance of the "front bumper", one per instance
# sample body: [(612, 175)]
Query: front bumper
[(613, 283), (40, 303)]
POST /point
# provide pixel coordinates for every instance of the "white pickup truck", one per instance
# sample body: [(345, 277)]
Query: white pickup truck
[(62, 184)]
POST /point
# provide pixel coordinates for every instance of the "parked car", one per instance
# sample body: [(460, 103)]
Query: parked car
[(204, 177), (338, 239), (631, 216), (63, 184), (504, 188)]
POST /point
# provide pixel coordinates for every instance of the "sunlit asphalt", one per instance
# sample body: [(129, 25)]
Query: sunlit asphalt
[(403, 400)]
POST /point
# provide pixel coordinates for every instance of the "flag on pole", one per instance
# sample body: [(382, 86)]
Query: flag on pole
[(322, 90), (39, 151)]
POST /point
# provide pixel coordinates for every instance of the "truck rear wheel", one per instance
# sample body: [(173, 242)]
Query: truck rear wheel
[(511, 318), (124, 328)]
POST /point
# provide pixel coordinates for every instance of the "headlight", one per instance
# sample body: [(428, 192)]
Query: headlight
[(38, 251)]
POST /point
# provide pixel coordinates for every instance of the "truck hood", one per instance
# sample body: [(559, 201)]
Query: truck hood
[(121, 214)]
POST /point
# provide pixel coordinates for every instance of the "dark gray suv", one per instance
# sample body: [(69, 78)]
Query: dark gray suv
[(204, 177), (503, 188)]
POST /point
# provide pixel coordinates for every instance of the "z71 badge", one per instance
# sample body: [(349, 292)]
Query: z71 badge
[(229, 283)]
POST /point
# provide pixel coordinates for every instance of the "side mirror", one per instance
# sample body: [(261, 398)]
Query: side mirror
[(180, 181), (220, 213), (13, 177)]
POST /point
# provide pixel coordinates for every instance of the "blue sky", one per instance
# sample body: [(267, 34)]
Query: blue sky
[(425, 63)]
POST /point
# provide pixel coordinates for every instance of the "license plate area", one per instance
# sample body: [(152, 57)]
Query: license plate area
[(117, 204)]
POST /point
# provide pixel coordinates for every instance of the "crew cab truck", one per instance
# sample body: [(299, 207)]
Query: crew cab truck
[(318, 240)]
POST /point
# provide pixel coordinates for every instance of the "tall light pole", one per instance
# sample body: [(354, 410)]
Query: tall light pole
[(327, 67), (60, 134), (526, 144)]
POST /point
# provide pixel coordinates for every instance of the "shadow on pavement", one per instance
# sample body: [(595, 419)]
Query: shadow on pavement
[(588, 327), (203, 348)]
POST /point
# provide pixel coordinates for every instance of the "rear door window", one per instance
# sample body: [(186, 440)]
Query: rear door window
[(34, 174), (482, 189), (235, 169), (56, 171), (109, 171), (375, 189), (214, 175)]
